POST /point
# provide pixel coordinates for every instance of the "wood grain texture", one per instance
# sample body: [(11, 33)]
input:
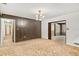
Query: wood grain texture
[(30, 30)]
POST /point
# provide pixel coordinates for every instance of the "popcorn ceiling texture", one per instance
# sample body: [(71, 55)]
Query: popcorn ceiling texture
[(39, 47)]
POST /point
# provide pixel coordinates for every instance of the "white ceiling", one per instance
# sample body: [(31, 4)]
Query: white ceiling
[(29, 10)]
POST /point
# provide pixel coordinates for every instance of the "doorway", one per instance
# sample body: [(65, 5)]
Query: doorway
[(57, 30), (7, 31)]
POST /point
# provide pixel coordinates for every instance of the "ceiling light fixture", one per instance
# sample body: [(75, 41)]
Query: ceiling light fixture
[(39, 15)]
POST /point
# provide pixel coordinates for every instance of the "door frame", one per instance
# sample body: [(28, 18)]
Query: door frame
[(49, 29), (13, 31)]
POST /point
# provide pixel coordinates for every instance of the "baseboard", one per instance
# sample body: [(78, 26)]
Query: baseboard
[(73, 44)]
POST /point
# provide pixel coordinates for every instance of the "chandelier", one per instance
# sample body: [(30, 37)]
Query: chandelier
[(39, 15)]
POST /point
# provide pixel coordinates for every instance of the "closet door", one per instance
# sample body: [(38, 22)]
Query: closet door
[(27, 29)]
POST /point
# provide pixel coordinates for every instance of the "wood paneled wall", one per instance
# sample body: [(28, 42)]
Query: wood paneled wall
[(29, 29)]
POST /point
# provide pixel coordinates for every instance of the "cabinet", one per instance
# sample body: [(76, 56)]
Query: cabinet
[(27, 29)]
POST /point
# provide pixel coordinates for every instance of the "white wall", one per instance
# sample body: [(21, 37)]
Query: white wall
[(72, 22)]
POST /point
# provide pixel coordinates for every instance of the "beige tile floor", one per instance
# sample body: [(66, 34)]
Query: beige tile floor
[(39, 47)]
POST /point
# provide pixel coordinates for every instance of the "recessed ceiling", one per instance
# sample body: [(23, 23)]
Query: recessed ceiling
[(29, 10)]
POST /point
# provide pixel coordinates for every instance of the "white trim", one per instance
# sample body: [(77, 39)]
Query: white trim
[(14, 31), (72, 44)]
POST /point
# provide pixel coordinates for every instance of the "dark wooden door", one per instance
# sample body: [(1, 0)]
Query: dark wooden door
[(49, 30)]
